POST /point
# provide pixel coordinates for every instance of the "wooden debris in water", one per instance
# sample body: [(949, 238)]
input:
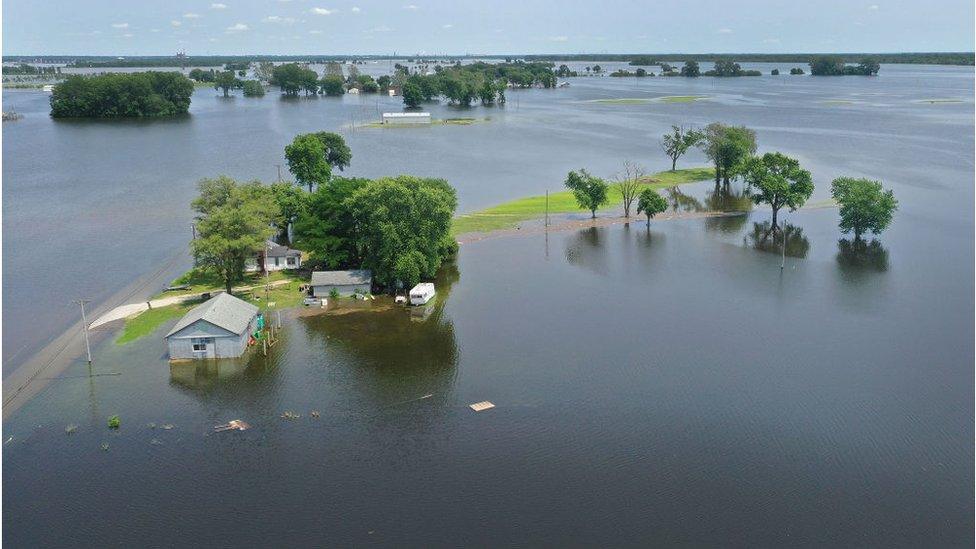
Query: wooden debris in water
[(314, 413), (481, 406), (232, 425), (105, 447), (167, 426), (290, 415), (70, 428)]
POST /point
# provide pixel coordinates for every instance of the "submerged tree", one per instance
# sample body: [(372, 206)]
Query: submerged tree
[(650, 204), (628, 184), (679, 141), (864, 205), (590, 191), (728, 147), (226, 81), (779, 181)]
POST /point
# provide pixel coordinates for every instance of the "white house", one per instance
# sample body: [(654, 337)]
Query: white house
[(218, 328), (278, 258), (406, 118), (346, 283)]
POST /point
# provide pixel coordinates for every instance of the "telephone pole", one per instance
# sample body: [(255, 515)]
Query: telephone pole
[(279, 172), (84, 321)]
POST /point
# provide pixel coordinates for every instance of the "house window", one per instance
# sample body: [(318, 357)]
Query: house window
[(291, 261), (276, 261), (199, 344)]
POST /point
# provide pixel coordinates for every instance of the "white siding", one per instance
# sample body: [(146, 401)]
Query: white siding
[(344, 290)]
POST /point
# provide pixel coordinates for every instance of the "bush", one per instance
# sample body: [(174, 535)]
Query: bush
[(114, 422), (334, 294), (253, 88)]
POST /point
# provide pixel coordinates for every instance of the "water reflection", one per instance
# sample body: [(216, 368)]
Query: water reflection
[(723, 199), (681, 202), (587, 249), (765, 239), (858, 256)]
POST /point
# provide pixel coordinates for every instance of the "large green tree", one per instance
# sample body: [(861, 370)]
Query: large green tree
[(337, 153), (650, 204), (333, 85), (306, 156), (590, 191), (293, 78), (292, 202), (412, 95), (779, 181), (233, 223), (864, 205), (226, 81), (728, 147), (326, 228), (403, 227)]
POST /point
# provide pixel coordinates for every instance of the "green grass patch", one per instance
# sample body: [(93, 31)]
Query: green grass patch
[(509, 214), (621, 101), (149, 321), (201, 280)]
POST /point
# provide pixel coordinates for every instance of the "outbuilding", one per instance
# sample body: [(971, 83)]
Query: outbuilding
[(218, 328), (406, 118), (346, 283)]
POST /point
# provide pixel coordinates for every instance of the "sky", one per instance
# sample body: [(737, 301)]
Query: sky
[(239, 27)]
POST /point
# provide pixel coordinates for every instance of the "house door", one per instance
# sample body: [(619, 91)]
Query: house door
[(204, 347)]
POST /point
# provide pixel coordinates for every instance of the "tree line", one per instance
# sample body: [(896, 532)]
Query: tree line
[(398, 227), (142, 94)]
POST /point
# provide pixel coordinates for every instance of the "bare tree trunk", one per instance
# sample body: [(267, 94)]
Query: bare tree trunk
[(775, 211)]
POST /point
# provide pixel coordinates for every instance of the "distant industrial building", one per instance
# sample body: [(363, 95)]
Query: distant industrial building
[(346, 283), (217, 328)]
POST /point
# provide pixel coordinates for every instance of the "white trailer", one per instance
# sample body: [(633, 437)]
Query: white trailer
[(421, 293)]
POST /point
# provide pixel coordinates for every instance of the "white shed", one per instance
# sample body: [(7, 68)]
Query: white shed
[(346, 283), (217, 328), (406, 118)]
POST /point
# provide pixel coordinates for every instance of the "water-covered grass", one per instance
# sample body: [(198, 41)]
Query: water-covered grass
[(434, 122), (621, 101), (681, 98), (509, 214)]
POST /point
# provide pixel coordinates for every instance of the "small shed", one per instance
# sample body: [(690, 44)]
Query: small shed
[(346, 283), (406, 118), (218, 328)]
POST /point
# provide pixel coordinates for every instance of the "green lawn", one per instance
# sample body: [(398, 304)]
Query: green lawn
[(148, 321), (509, 214), (203, 281)]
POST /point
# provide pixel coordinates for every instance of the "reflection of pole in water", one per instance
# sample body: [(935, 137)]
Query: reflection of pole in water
[(782, 263)]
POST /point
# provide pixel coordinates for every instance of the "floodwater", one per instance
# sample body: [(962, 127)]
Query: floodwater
[(670, 386)]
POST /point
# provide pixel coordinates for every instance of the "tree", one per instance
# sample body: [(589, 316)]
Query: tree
[(728, 147), (121, 95), (590, 192), (796, 70), (774, 72), (233, 224), (650, 203), (864, 205), (384, 82), (326, 228), (690, 69), (333, 85), (412, 95), (307, 161), (291, 201), (628, 184), (253, 88), (337, 153), (677, 143), (826, 65), (264, 71), (292, 78), (226, 80), (868, 67), (366, 84), (333, 68), (779, 181), (403, 227)]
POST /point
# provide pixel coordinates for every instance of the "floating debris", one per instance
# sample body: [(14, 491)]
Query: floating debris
[(114, 422), (151, 425), (233, 425), (426, 396), (8, 440), (105, 447), (167, 426), (156, 442), (290, 415), (314, 413), (70, 428), (481, 406)]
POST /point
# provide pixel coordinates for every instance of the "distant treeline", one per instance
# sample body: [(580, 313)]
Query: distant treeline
[(933, 58), (135, 95), (30, 70)]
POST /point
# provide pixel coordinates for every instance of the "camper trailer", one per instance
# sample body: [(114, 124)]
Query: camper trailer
[(421, 293)]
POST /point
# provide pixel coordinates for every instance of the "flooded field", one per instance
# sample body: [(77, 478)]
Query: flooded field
[(646, 382)]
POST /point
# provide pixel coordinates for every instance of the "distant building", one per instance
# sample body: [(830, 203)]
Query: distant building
[(406, 118), (217, 328), (344, 282), (279, 258), (353, 90)]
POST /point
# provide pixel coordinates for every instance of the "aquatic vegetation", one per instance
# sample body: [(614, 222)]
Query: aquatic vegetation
[(70, 429), (114, 422)]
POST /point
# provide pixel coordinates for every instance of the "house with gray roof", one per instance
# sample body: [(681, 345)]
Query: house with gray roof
[(218, 328), (275, 257), (346, 283)]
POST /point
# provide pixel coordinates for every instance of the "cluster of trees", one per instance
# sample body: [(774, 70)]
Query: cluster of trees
[(796, 70), (727, 67), (591, 192), (927, 58), (398, 227), (142, 94), (227, 80), (832, 65), (30, 70), (639, 73)]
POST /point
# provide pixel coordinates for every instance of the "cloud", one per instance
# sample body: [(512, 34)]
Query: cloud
[(411, 7), (191, 16), (120, 25), (218, 6), (175, 23), (321, 11), (237, 27), (874, 7), (447, 26), (725, 31), (355, 9), (559, 39), (278, 19), (381, 28)]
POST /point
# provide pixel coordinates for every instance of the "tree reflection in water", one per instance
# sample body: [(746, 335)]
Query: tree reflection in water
[(765, 239), (681, 202), (587, 249), (722, 199), (858, 255)]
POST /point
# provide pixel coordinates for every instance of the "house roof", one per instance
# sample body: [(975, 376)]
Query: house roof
[(222, 310), (341, 278), (277, 250)]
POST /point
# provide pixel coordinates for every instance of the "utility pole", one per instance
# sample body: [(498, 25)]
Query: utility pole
[(84, 321), (547, 207), (279, 172)]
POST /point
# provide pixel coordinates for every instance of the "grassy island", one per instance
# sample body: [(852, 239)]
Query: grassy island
[(509, 214)]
